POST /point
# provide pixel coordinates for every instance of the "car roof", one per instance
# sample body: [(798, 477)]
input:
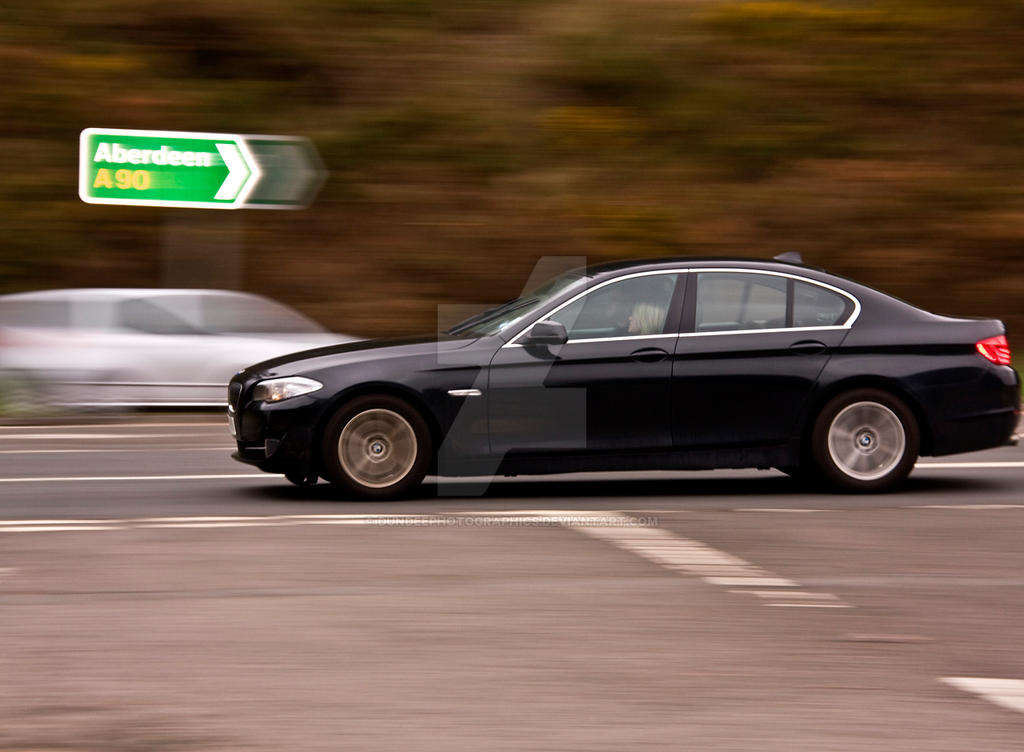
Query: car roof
[(695, 261)]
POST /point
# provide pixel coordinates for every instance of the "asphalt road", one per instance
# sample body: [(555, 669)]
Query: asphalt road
[(156, 595)]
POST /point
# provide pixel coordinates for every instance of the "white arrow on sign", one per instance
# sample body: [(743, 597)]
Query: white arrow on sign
[(239, 174)]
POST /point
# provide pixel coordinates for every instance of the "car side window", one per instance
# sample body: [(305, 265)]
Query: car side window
[(144, 316), (55, 314), (816, 306), (631, 307), (733, 301)]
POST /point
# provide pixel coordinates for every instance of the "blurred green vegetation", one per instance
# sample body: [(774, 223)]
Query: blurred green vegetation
[(465, 139)]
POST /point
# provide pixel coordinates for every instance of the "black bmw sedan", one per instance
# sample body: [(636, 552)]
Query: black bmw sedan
[(670, 364)]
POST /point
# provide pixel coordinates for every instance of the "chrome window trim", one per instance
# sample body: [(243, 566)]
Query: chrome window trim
[(776, 330), (731, 270), (845, 325), (577, 296)]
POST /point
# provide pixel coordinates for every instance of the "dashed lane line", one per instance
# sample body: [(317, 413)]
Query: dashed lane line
[(1006, 693), (89, 478), (76, 426), (715, 567), (86, 436), (478, 519), (808, 605), (791, 594), (154, 449)]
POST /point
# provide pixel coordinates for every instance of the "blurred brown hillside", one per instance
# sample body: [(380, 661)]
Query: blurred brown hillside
[(884, 140)]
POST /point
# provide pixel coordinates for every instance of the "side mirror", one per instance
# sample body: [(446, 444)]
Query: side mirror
[(546, 333)]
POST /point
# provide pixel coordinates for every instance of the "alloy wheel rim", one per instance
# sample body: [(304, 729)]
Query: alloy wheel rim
[(377, 448), (866, 440)]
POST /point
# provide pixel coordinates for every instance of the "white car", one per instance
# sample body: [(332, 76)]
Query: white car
[(142, 347)]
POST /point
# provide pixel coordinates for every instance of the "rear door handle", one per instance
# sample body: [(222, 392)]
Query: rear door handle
[(808, 347), (649, 354)]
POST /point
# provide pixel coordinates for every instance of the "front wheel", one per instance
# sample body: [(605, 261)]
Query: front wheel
[(376, 447), (865, 440)]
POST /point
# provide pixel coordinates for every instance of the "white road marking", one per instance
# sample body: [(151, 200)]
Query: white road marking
[(476, 519), (161, 448), (264, 523), (622, 530), (56, 528), (808, 605), (86, 478), (795, 594), (882, 637), (72, 426), (78, 436), (692, 557), (1007, 693), (971, 507), (780, 510), (966, 465), (750, 581), (56, 522)]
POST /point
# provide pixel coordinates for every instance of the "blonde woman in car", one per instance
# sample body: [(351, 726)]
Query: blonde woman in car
[(646, 319)]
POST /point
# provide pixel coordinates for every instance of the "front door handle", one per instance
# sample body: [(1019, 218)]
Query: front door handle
[(649, 354), (808, 347)]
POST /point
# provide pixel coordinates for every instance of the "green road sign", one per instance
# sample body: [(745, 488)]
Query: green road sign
[(291, 172), (165, 168)]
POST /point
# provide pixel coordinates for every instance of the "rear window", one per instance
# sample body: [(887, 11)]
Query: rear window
[(231, 314), (747, 301), (816, 306)]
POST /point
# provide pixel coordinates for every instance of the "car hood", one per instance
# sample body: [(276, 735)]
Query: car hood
[(355, 352)]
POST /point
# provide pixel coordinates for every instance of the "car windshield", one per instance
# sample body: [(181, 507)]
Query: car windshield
[(495, 320)]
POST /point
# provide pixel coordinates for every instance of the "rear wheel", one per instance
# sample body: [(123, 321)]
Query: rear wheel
[(377, 447), (865, 440)]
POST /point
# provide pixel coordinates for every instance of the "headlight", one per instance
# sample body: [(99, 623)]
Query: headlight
[(275, 390)]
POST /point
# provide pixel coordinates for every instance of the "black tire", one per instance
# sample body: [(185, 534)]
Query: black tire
[(865, 441), (301, 479), (376, 447)]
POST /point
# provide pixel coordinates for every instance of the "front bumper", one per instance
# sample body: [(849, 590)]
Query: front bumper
[(275, 437)]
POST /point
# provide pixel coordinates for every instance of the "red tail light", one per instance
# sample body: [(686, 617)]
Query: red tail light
[(995, 349)]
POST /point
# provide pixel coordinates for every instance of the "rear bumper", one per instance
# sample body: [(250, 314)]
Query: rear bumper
[(989, 424), (972, 434)]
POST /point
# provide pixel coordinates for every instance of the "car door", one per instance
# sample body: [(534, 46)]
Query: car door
[(166, 352), (607, 389), (752, 347)]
